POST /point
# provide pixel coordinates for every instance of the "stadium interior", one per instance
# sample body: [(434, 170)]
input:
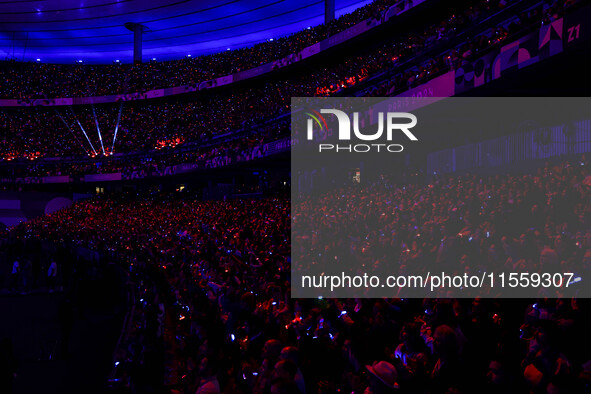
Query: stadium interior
[(145, 184)]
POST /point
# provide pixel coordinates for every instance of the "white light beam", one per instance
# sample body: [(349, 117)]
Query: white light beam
[(117, 127), (84, 131), (98, 129)]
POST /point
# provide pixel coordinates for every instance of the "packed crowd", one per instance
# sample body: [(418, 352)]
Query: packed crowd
[(72, 131), (236, 147), (419, 57), (226, 319), (39, 80), (355, 69), (30, 133), (469, 224)]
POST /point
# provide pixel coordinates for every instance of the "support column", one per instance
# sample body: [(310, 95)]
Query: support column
[(137, 43), (138, 31), (328, 11)]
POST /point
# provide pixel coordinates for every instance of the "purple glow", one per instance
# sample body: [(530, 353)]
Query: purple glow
[(65, 31)]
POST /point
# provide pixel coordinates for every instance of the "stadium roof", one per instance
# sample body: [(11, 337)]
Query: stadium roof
[(65, 31)]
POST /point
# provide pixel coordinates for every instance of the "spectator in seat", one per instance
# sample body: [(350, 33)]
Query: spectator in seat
[(382, 378)]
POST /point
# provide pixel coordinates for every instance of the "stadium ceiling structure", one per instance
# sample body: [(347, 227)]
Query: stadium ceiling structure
[(67, 31)]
